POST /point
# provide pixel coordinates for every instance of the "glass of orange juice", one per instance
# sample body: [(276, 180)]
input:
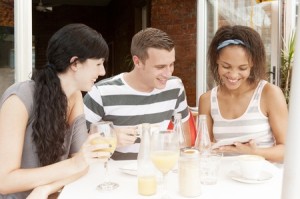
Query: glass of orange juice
[(107, 136), (164, 154)]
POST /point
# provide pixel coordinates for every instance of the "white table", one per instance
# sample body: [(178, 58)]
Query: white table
[(85, 187)]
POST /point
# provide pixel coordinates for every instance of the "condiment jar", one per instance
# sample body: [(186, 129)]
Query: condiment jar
[(189, 173)]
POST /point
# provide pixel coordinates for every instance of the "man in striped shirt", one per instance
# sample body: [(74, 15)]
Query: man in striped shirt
[(147, 94)]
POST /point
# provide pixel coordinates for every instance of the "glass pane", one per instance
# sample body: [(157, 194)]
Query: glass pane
[(6, 58), (263, 17), (6, 45)]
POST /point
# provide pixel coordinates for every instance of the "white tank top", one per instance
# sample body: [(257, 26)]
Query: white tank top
[(252, 121)]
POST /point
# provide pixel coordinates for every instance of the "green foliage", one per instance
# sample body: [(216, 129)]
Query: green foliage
[(287, 61)]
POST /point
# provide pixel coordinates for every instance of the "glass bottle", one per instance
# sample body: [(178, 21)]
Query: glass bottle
[(203, 143), (179, 129), (147, 182)]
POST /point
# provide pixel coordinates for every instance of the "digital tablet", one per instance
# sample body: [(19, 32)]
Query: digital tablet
[(241, 139)]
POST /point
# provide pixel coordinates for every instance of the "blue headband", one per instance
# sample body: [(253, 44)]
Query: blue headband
[(230, 42)]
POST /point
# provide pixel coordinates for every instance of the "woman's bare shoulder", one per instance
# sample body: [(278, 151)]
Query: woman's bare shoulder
[(204, 103), (271, 91), (272, 96), (205, 96)]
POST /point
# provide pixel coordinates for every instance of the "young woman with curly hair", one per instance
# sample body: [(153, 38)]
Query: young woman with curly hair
[(243, 103)]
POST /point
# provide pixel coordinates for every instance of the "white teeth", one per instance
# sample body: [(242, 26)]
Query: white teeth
[(232, 80)]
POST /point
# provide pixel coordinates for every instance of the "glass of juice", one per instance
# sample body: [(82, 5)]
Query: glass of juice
[(164, 154), (107, 136)]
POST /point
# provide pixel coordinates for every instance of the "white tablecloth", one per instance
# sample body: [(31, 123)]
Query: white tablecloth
[(85, 187)]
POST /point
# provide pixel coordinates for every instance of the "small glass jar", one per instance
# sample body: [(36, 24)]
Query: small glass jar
[(189, 173)]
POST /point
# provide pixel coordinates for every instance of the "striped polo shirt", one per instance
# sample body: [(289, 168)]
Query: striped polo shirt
[(253, 121), (114, 100)]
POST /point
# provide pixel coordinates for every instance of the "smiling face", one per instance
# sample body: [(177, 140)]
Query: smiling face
[(88, 73), (233, 67), (157, 68)]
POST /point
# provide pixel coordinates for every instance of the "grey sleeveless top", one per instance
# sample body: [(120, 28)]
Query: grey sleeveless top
[(77, 133)]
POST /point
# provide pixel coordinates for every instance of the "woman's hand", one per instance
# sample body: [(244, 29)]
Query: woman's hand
[(240, 148), (41, 192), (91, 152)]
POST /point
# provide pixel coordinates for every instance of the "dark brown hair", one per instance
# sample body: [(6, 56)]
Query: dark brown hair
[(50, 102), (253, 47)]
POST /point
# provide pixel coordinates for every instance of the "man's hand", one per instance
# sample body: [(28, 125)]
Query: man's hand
[(126, 135)]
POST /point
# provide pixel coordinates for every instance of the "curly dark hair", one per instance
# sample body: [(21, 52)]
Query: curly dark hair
[(50, 102), (253, 46)]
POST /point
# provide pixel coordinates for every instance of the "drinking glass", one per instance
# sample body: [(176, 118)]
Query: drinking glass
[(209, 167), (164, 154), (107, 136)]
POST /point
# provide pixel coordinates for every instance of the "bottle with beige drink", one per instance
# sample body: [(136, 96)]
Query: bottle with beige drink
[(146, 172)]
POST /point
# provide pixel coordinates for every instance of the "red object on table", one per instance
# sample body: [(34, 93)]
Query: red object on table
[(193, 128)]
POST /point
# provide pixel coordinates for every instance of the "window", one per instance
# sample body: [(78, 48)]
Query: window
[(263, 17)]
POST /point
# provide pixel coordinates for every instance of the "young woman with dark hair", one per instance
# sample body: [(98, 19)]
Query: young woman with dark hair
[(44, 142), (243, 103)]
